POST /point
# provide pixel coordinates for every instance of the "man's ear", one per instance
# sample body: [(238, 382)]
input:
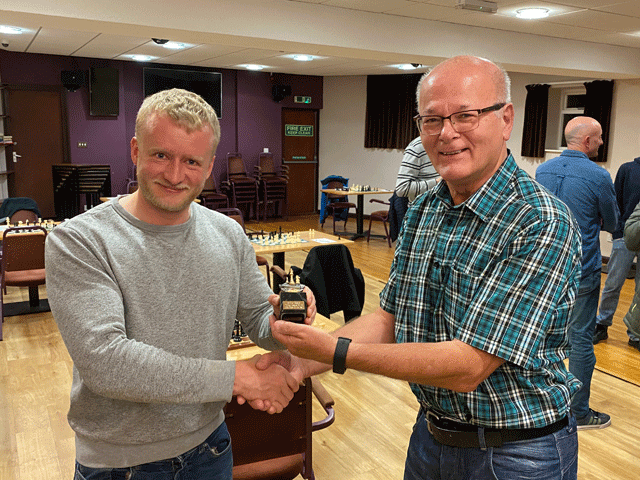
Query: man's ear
[(134, 151), (508, 118)]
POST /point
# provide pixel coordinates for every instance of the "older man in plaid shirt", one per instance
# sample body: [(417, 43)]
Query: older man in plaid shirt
[(476, 309)]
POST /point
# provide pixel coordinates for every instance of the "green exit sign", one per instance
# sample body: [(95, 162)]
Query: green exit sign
[(299, 99), (298, 130)]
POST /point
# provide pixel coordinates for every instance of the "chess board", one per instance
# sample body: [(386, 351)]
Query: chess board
[(277, 239)]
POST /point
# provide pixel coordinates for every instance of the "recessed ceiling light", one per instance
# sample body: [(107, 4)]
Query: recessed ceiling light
[(251, 66), (141, 58), (174, 45), (532, 13), (7, 30), (303, 58), (405, 66)]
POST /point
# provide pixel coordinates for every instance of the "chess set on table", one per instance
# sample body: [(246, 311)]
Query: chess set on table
[(48, 225), (278, 238), (239, 339)]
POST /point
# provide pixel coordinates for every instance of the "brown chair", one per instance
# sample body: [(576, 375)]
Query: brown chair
[(132, 186), (383, 216), (23, 216), (241, 189), (272, 185), (236, 214), (210, 197), (22, 263), (337, 204), (277, 447)]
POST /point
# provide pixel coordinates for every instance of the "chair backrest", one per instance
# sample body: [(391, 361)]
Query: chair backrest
[(235, 166), (267, 167), (24, 216), (23, 248), (234, 213), (210, 184), (11, 205), (335, 185), (132, 186), (283, 448)]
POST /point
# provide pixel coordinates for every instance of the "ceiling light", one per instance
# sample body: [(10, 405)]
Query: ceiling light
[(405, 66), (532, 13), (251, 66), (174, 46), (303, 58), (141, 58), (7, 30)]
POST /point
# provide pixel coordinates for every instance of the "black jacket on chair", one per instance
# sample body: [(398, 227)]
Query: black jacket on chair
[(337, 285)]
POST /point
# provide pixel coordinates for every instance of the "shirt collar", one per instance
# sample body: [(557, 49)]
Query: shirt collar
[(486, 199)]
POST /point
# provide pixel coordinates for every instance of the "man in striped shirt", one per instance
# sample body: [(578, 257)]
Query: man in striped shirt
[(416, 174)]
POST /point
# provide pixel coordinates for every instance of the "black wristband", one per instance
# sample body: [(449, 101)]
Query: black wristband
[(340, 355)]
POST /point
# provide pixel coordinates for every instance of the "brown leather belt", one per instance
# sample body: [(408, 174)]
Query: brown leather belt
[(455, 434)]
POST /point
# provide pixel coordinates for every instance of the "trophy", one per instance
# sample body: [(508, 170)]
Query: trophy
[(293, 300)]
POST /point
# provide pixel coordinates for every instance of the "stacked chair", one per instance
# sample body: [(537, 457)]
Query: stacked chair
[(241, 189), (272, 185), (210, 197)]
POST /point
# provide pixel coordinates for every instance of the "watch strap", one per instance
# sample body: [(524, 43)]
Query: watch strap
[(340, 355)]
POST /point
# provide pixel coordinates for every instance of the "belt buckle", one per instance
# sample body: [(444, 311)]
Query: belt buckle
[(429, 417)]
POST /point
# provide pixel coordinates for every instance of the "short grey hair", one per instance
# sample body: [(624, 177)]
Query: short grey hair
[(186, 108)]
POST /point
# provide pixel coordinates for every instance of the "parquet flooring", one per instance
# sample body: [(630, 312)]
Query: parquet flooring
[(374, 415)]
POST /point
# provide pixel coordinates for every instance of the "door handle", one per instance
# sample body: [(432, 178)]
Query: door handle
[(16, 157)]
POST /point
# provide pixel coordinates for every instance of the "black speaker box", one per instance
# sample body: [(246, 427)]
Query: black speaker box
[(72, 80), (279, 92)]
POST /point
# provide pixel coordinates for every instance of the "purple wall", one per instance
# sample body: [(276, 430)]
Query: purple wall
[(250, 120)]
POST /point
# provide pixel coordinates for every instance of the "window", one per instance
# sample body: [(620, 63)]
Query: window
[(565, 103)]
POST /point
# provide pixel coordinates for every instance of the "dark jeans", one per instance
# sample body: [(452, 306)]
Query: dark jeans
[(552, 457), (211, 460)]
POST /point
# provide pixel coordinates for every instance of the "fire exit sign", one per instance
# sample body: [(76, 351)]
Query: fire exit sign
[(298, 130), (299, 99)]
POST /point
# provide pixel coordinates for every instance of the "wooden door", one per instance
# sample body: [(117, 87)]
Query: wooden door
[(37, 124), (299, 152)]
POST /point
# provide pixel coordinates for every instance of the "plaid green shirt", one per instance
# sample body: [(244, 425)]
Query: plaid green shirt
[(499, 272)]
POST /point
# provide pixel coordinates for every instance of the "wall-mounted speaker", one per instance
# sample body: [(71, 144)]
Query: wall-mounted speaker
[(72, 80), (279, 92), (104, 92)]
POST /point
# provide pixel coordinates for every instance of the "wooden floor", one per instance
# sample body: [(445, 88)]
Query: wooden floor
[(374, 415)]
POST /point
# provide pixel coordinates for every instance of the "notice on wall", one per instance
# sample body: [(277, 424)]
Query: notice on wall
[(298, 130)]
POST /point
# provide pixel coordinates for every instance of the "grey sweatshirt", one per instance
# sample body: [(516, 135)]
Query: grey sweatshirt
[(146, 312)]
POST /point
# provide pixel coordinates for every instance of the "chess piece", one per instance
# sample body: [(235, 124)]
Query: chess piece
[(293, 300)]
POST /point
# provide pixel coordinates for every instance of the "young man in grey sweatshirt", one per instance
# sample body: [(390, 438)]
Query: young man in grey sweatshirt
[(145, 290)]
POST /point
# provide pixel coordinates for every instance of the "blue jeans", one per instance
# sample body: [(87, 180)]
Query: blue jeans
[(552, 457), (211, 460), (620, 261), (582, 324)]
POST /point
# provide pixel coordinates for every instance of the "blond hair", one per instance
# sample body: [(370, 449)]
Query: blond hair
[(186, 108)]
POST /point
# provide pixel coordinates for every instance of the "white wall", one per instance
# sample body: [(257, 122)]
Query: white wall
[(342, 120)]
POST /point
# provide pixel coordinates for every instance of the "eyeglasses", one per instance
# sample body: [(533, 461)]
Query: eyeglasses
[(461, 122)]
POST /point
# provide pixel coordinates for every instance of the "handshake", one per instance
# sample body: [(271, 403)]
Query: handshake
[(265, 385)]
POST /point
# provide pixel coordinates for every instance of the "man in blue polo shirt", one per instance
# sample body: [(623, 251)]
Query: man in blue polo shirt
[(588, 191)]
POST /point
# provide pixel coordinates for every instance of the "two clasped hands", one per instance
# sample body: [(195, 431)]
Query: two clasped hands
[(267, 382)]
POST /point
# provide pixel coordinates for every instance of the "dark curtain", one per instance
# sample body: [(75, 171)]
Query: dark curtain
[(391, 105), (598, 105), (534, 134)]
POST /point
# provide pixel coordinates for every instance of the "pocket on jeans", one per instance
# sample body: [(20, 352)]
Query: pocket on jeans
[(220, 444), (87, 473)]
